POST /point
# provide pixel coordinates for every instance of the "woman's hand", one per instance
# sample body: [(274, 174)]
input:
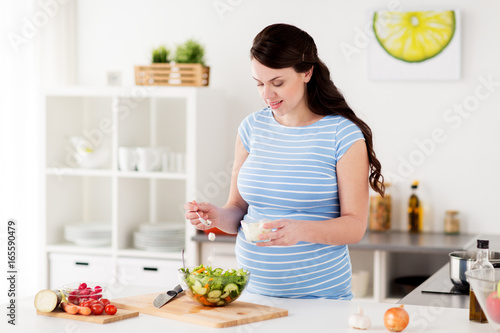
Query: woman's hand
[(207, 211), (286, 232)]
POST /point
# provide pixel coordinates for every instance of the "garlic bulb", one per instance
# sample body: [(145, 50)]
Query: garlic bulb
[(359, 320)]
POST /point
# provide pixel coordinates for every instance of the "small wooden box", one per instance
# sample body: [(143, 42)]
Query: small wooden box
[(172, 75)]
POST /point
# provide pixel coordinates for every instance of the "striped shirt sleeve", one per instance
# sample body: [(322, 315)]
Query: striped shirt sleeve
[(347, 134), (245, 130)]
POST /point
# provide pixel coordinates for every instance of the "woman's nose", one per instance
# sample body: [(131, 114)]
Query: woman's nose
[(267, 92)]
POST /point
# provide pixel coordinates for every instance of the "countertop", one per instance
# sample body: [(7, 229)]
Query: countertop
[(393, 241), (441, 284), (435, 292), (317, 315)]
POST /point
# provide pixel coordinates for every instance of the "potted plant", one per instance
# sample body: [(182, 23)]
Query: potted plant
[(191, 52), (160, 55), (185, 68)]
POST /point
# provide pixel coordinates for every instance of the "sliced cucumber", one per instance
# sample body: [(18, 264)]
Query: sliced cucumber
[(198, 288), (230, 287), (214, 294), (213, 300), (221, 302)]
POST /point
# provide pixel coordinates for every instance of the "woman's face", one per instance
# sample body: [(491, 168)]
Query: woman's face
[(284, 90)]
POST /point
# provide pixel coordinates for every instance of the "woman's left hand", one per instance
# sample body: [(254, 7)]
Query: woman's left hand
[(286, 232)]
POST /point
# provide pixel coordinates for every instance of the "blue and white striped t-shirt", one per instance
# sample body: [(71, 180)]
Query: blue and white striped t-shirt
[(291, 173)]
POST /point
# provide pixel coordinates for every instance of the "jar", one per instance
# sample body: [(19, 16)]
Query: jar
[(380, 210), (451, 222)]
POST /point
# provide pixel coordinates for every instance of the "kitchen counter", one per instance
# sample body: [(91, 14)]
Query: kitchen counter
[(403, 241), (306, 315), (435, 291), (395, 241)]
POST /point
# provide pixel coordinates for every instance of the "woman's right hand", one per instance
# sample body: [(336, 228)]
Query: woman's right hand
[(207, 211)]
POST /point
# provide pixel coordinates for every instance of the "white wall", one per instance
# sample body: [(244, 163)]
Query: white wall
[(459, 173)]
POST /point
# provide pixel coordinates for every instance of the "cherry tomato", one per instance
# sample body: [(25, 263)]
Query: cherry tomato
[(110, 309), (86, 303), (105, 301), (97, 309)]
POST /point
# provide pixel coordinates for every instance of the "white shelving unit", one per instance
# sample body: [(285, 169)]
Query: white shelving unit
[(187, 120)]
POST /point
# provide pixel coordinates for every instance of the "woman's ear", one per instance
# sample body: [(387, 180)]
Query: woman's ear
[(308, 74)]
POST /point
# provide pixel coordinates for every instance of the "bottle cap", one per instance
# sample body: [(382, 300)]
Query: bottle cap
[(483, 244), (414, 184)]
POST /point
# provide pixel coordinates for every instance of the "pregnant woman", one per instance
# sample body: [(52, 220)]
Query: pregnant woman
[(305, 164)]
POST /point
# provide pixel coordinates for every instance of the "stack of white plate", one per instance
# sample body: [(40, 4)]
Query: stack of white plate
[(88, 234), (167, 237)]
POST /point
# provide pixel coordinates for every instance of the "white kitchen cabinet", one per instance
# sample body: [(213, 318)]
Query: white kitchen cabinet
[(151, 272), (190, 122), (69, 268)]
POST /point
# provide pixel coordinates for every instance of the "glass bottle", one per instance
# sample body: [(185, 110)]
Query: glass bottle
[(476, 314), (415, 212), (380, 210), (451, 223)]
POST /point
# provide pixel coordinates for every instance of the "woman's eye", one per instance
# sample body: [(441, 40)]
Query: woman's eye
[(278, 84)]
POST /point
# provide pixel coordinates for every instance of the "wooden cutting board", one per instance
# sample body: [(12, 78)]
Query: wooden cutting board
[(101, 319), (184, 309)]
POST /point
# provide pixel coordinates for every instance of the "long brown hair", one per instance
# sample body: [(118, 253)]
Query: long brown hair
[(282, 46)]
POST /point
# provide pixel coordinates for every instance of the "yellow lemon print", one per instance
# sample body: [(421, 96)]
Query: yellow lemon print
[(414, 36)]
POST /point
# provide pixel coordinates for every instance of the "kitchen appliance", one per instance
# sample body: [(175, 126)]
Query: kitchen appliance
[(461, 261), (182, 308)]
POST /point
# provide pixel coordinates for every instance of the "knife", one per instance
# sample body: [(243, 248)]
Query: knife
[(163, 299)]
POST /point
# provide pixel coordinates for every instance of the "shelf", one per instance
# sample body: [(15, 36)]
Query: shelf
[(73, 248), (78, 172), (152, 175), (109, 173), (136, 253), (202, 238), (179, 121)]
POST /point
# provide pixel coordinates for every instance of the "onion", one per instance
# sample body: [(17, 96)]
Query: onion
[(396, 319)]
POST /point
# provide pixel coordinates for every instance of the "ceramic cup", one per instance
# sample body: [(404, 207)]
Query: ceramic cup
[(149, 159), (127, 158), (253, 228)]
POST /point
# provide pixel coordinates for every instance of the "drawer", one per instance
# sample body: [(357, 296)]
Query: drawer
[(70, 268), (148, 272)]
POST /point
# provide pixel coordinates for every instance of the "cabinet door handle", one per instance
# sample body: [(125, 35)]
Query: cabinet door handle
[(153, 269), (81, 263)]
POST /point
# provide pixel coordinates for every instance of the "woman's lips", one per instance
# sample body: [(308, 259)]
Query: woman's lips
[(275, 105)]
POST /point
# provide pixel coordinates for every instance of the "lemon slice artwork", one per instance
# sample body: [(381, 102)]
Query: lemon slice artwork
[(414, 36)]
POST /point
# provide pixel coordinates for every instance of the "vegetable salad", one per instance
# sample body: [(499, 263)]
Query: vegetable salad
[(214, 287)]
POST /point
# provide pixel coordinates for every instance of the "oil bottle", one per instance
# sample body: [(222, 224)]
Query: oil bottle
[(415, 212), (476, 314)]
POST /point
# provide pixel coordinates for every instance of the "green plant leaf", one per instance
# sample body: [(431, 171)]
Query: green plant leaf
[(191, 52)]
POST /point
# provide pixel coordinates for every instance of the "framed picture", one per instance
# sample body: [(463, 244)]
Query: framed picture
[(415, 45)]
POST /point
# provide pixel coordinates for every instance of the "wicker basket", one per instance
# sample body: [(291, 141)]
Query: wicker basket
[(172, 75)]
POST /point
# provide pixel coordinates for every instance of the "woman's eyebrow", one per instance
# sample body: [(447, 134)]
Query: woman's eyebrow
[(274, 78)]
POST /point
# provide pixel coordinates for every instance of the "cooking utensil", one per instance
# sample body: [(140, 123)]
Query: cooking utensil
[(163, 299), (461, 261), (205, 222), (182, 256), (184, 309)]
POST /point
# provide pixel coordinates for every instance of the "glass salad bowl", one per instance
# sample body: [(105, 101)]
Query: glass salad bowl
[(80, 292), (213, 286), (487, 293)]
